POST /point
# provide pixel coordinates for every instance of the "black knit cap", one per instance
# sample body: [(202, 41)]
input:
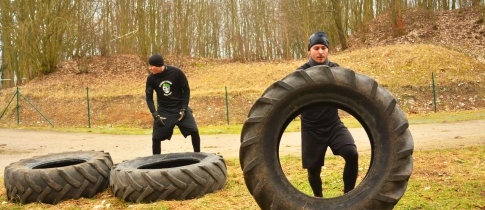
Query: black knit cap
[(156, 60), (318, 38)]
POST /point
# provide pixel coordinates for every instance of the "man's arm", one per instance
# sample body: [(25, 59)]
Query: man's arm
[(149, 98), (185, 90), (185, 95)]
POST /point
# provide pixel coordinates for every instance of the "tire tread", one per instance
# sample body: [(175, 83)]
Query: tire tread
[(177, 183), (260, 179), (25, 184)]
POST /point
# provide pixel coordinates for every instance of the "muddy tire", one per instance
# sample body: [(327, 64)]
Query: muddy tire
[(56, 177), (174, 176), (375, 108)]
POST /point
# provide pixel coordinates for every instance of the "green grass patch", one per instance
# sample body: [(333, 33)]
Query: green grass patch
[(426, 118), (294, 126), (447, 179)]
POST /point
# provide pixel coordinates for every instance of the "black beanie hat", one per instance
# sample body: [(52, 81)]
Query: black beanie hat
[(318, 38), (156, 60)]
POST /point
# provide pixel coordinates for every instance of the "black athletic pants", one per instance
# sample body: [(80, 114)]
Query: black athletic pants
[(351, 157), (157, 144)]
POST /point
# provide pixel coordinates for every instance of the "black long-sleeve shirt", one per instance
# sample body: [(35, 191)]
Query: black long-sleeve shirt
[(172, 89), (319, 117)]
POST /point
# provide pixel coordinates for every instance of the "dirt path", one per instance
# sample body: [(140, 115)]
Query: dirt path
[(16, 144)]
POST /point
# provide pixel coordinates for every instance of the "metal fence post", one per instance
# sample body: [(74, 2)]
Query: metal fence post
[(89, 108), (227, 107), (18, 107), (434, 91)]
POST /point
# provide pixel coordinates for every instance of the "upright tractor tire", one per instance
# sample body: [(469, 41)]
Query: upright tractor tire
[(56, 177), (372, 105), (173, 176)]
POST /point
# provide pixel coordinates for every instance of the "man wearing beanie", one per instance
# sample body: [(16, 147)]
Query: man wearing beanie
[(173, 93), (321, 128)]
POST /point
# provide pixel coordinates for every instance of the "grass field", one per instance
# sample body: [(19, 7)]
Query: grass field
[(441, 179)]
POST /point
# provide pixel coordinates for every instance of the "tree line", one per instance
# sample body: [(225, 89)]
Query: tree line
[(37, 35)]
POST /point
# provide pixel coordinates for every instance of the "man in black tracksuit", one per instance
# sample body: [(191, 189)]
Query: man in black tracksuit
[(321, 128), (173, 94)]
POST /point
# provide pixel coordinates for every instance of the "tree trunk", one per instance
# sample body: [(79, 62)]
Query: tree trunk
[(337, 16), (396, 17)]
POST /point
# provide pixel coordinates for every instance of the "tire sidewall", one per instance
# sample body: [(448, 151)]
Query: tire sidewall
[(191, 175)]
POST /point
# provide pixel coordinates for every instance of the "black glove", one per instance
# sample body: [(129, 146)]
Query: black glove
[(160, 120), (182, 114)]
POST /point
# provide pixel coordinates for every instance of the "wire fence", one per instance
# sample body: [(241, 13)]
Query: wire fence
[(125, 111)]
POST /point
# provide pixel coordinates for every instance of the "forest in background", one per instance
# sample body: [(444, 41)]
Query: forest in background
[(36, 36)]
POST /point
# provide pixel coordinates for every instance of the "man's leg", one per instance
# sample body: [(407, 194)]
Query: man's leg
[(156, 147), (188, 126), (162, 133), (351, 168), (315, 181), (196, 142)]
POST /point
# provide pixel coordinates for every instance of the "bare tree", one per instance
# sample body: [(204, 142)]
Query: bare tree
[(396, 16), (8, 50), (337, 17), (36, 35)]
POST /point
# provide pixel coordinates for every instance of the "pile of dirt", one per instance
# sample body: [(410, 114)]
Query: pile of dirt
[(462, 30)]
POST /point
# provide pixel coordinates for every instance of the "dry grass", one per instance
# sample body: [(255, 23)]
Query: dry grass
[(412, 65), (116, 86), (390, 66)]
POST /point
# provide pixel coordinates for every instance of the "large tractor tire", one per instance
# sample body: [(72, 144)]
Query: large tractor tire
[(56, 177), (173, 176), (372, 105)]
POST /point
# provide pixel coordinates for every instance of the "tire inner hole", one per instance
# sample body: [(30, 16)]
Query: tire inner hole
[(169, 164), (61, 163)]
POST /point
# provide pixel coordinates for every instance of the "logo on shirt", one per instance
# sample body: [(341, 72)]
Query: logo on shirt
[(166, 87)]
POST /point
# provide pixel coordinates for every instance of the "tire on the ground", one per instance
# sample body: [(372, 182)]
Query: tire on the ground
[(376, 109), (56, 177), (173, 176)]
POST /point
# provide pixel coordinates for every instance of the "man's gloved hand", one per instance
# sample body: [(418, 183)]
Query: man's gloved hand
[(182, 114), (160, 120)]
